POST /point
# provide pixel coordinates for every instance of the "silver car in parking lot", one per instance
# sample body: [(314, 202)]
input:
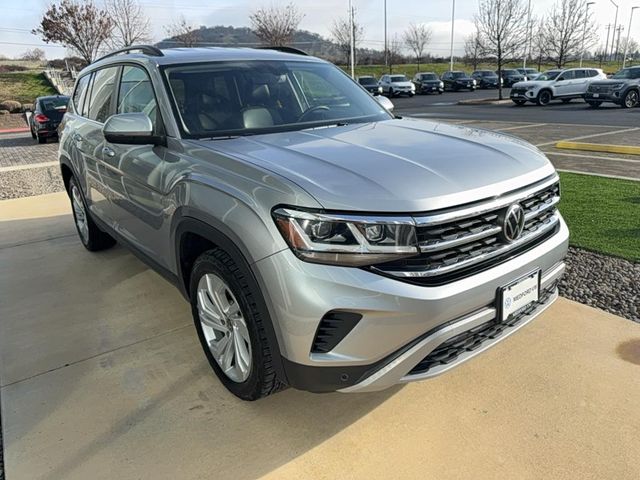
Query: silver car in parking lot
[(322, 242)]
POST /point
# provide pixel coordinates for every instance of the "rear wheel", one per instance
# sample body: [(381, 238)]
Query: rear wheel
[(544, 97), (631, 99), (594, 104), (90, 235), (41, 139), (33, 135), (230, 326)]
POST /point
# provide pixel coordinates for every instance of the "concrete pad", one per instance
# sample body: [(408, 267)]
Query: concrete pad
[(137, 399)]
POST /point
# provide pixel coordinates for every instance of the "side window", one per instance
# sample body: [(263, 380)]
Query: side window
[(568, 75), (592, 73), (136, 94), (86, 97), (102, 94), (78, 95), (580, 74)]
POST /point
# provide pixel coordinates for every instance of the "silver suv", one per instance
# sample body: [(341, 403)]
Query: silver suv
[(322, 242)]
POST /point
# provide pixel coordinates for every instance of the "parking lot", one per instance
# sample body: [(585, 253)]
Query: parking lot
[(101, 375)]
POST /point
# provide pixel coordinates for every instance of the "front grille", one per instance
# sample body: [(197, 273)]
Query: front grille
[(473, 339), (599, 89), (456, 243), (519, 91)]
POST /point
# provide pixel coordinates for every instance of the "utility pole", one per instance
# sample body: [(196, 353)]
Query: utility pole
[(352, 40), (386, 45), (584, 31), (615, 24), (626, 45), (606, 47), (615, 58), (529, 31), (453, 17)]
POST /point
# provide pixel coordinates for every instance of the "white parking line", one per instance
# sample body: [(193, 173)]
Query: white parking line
[(592, 157), (584, 137), (28, 167), (517, 127)]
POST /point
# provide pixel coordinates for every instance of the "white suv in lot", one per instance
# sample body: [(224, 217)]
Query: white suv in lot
[(559, 84), (393, 85)]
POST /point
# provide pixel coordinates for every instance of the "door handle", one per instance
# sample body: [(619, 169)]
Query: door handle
[(108, 151)]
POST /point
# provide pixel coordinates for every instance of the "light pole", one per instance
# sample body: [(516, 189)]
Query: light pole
[(529, 32), (386, 48), (626, 45), (453, 16), (352, 41), (584, 31), (615, 24)]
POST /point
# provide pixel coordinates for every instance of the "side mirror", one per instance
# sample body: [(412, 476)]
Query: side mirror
[(385, 102), (130, 129)]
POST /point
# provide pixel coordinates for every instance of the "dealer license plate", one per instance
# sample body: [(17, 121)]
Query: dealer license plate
[(519, 294), (596, 95)]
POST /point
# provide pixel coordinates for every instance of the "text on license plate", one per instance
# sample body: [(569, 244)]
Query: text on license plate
[(519, 294)]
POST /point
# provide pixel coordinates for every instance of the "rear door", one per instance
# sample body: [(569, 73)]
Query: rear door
[(579, 85)]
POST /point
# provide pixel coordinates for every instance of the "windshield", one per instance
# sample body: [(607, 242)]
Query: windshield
[(487, 74), (458, 75), (428, 76), (54, 103), (367, 81), (627, 73), (510, 72), (220, 99), (399, 78), (550, 75)]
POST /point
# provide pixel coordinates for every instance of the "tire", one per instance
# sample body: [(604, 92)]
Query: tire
[(33, 135), (216, 270), (631, 99), (519, 102), (90, 235), (41, 139), (411, 94), (594, 104), (544, 97), (391, 94)]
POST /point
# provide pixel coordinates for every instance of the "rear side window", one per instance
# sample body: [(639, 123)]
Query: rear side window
[(136, 94), (78, 95), (100, 107), (580, 74), (592, 73)]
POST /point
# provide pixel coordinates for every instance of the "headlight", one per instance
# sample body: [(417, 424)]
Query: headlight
[(441, 84), (379, 89), (617, 86), (349, 240), (474, 82)]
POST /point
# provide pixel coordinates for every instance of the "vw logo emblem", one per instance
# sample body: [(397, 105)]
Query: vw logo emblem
[(513, 223)]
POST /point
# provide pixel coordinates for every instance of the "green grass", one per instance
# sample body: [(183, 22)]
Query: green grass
[(603, 214), (411, 69), (24, 87)]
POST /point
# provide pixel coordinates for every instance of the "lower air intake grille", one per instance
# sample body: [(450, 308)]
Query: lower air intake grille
[(333, 327)]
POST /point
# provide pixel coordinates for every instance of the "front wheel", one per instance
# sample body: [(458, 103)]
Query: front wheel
[(230, 326), (594, 104), (90, 235), (631, 99), (544, 98), (391, 94)]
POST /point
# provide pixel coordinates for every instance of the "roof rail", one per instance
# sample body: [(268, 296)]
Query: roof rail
[(146, 49), (283, 49)]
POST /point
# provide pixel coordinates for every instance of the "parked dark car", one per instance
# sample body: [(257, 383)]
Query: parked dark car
[(486, 79), (458, 80), (428, 82), (370, 83), (46, 115), (509, 77), (623, 89)]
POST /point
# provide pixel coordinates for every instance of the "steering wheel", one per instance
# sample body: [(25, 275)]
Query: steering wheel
[(309, 111)]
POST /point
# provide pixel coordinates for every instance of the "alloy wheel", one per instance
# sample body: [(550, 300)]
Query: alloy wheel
[(80, 214), (631, 99), (224, 327)]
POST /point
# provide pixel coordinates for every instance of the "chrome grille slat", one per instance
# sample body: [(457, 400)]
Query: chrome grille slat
[(465, 241)]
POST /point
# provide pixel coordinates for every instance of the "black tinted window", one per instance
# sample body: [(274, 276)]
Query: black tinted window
[(54, 104), (568, 75), (580, 74), (78, 95), (102, 94), (136, 93)]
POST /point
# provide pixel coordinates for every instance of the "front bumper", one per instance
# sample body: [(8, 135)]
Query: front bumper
[(611, 97), (431, 89), (400, 321)]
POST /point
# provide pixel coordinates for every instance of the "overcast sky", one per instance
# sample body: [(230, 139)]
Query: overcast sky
[(20, 16)]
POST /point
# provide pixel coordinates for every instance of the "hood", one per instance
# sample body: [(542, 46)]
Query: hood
[(532, 83), (406, 83), (614, 81), (463, 79), (396, 165), (437, 82)]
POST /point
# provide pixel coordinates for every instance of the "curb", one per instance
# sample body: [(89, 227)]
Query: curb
[(599, 147), (15, 130), (484, 101)]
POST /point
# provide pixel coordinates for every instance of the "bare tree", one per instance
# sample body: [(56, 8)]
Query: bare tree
[(275, 26), (130, 25), (564, 29), (182, 33), (395, 52), (473, 50), (502, 28), (539, 49), (79, 26), (33, 55), (342, 36), (416, 37)]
